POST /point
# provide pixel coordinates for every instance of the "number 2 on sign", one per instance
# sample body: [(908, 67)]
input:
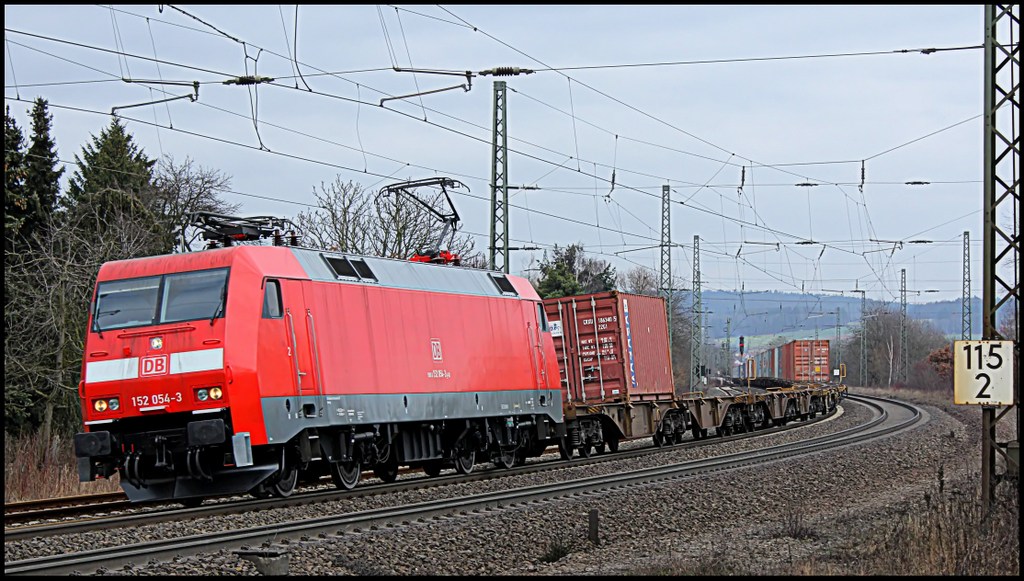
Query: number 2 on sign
[(984, 376)]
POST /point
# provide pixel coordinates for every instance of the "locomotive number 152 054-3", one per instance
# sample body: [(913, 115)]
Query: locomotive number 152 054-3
[(155, 399)]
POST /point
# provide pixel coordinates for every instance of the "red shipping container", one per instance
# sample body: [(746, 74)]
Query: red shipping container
[(611, 347), (806, 361)]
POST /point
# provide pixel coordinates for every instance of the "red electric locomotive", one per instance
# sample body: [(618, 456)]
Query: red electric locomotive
[(246, 368)]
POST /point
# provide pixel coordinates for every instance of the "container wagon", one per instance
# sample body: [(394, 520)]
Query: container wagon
[(805, 361), (615, 369), (799, 361)]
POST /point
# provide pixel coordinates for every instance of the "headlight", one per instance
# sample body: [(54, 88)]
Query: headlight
[(202, 394), (216, 393), (100, 405), (114, 404)]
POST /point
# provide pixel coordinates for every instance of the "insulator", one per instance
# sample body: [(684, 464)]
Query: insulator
[(507, 71)]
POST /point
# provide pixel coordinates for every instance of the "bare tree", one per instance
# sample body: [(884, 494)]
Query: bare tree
[(45, 322), (182, 189), (639, 280), (350, 218), (341, 221), (889, 348), (881, 328)]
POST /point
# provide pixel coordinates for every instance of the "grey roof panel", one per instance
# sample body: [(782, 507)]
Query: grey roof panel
[(404, 273)]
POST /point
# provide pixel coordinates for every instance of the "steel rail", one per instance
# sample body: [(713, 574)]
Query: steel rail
[(86, 561), (150, 513)]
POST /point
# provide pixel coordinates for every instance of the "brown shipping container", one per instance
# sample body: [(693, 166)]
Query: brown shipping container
[(632, 362), (806, 361)]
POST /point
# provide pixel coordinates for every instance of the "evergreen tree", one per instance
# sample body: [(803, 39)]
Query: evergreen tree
[(16, 204), (114, 180), (571, 272), (557, 280), (42, 172)]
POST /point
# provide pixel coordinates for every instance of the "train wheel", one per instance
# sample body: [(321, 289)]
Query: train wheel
[(346, 474), (613, 445), (600, 448), (387, 472), (261, 491), (584, 450), (659, 441), (285, 485), (505, 459), (464, 462), (191, 502), (525, 448), (563, 450), (432, 468)]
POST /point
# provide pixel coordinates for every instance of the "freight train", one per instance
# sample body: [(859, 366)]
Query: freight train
[(802, 360), (616, 374), (247, 369)]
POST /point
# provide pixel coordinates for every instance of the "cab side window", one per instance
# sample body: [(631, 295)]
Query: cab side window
[(542, 319), (272, 300)]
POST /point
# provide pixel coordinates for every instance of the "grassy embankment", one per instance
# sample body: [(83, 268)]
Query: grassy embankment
[(34, 470)]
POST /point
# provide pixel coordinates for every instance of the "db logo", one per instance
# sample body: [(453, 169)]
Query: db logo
[(154, 365), (435, 349)]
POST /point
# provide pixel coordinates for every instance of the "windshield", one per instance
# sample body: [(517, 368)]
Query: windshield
[(154, 300)]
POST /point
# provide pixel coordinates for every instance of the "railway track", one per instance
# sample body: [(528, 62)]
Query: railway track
[(86, 517), (112, 510), (58, 507), (890, 416)]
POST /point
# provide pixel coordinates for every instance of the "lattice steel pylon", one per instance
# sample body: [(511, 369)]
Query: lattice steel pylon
[(499, 183), (1001, 234), (904, 358), (965, 302), (665, 282), (696, 336)]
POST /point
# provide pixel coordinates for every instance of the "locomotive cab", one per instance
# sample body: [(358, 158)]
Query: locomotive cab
[(155, 385)]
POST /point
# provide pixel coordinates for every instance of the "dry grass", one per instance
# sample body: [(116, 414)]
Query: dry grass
[(34, 469), (948, 535), (952, 535)]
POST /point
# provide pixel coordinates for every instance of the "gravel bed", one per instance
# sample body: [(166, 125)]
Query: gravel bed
[(741, 513)]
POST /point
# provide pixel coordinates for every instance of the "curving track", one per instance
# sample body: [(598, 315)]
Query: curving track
[(96, 512), (889, 416)]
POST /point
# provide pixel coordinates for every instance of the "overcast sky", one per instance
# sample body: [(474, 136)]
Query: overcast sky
[(730, 106)]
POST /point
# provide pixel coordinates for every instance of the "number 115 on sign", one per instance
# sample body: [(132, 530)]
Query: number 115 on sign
[(983, 373)]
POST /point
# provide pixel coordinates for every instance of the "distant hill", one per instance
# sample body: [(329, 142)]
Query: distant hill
[(770, 313)]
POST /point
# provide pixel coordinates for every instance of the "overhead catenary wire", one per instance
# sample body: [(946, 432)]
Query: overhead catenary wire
[(556, 168)]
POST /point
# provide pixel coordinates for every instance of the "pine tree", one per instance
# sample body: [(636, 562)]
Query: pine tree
[(42, 178), (16, 204), (571, 272), (114, 181)]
